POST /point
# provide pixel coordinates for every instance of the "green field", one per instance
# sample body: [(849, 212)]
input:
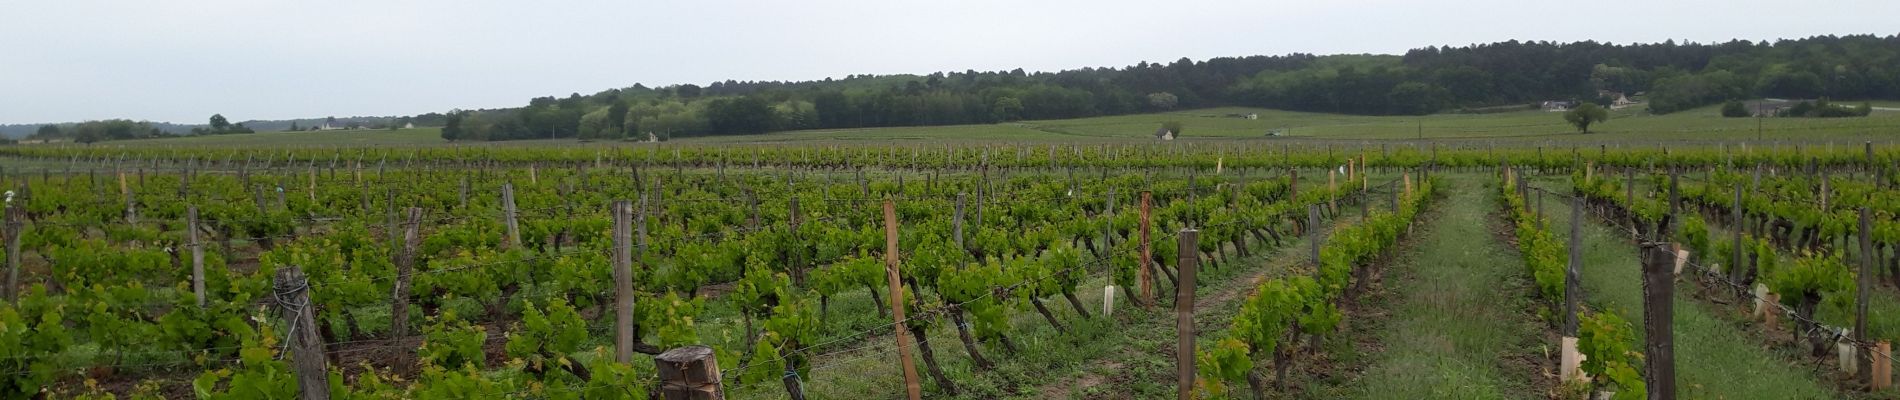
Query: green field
[(1521, 126)]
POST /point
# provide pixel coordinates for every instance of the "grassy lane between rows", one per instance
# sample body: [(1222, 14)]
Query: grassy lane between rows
[(1715, 359), (1459, 316)]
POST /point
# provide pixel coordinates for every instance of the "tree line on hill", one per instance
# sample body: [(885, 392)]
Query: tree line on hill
[(1673, 76)]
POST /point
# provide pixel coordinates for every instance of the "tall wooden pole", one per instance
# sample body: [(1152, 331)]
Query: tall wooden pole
[(1863, 349), (405, 262), (911, 385), (197, 254), (1189, 251), (623, 281), (508, 215), (305, 345), (1658, 314), (14, 229), (1146, 273)]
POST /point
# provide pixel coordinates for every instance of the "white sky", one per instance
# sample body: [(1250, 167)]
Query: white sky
[(181, 61)]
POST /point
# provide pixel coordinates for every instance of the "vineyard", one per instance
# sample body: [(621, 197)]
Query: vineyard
[(958, 270)]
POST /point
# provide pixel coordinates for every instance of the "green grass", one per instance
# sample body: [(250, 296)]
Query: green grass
[(1715, 359), (1459, 311)]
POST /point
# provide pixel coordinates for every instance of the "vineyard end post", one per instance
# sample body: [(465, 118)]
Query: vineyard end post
[(1863, 353), (1312, 228), (405, 262), (197, 254), (1146, 271), (14, 225), (305, 345), (896, 285), (1189, 252), (623, 281), (508, 215), (1573, 292), (1659, 312)]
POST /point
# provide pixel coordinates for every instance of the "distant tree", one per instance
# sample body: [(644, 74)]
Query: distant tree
[(452, 126), (47, 131), (740, 115), (1586, 114), (293, 126), (687, 90), (1734, 109), (218, 123), (1172, 126), (1007, 109), (1163, 100)]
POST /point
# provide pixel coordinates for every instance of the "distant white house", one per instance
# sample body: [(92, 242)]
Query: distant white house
[(1557, 105), (1618, 101), (408, 125), (1164, 134)]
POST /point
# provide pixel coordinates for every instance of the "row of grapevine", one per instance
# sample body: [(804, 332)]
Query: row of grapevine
[(1817, 290), (1282, 310), (111, 292), (1603, 338)]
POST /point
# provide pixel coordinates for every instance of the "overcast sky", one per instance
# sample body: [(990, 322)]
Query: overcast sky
[(181, 61)]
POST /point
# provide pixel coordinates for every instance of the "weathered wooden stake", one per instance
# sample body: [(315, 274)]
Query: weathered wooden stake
[(1658, 314), (1312, 234), (305, 345), (405, 262), (508, 215), (1864, 368), (896, 285), (1189, 252), (623, 281), (197, 254), (1146, 275), (14, 227)]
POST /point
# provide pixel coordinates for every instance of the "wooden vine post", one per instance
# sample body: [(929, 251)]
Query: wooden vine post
[(1571, 359), (1189, 251), (1146, 275), (1737, 274), (1659, 359), (14, 229), (623, 281), (508, 215), (911, 385), (1863, 353), (405, 263), (197, 254), (304, 344), (1312, 234)]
